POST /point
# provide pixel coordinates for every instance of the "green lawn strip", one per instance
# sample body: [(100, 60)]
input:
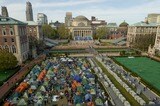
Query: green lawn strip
[(134, 89), (150, 86), (4, 75), (128, 96)]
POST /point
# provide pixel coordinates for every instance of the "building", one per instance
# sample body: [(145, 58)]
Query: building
[(55, 25), (157, 41), (112, 27), (29, 12), (13, 37), (123, 28), (81, 27), (153, 18), (4, 11), (97, 23), (42, 18), (138, 29), (35, 30), (68, 19)]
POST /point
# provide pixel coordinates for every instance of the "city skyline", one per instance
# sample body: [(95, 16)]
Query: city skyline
[(110, 10)]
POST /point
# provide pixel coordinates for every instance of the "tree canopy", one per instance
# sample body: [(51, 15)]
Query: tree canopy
[(7, 60), (101, 32), (63, 32), (142, 42), (49, 31)]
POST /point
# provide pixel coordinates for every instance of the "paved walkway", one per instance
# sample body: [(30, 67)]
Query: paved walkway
[(110, 91), (7, 86)]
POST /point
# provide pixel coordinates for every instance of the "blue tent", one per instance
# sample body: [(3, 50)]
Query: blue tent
[(88, 97), (77, 78)]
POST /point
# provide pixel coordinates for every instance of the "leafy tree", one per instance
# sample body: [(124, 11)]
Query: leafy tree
[(7, 60), (63, 32), (101, 32), (49, 31), (142, 42)]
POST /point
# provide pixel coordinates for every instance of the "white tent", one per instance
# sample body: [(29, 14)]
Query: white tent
[(33, 87), (43, 89), (22, 102), (25, 95)]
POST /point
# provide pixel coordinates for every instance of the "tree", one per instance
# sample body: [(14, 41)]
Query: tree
[(142, 42), (7, 60), (63, 32), (49, 31), (101, 32)]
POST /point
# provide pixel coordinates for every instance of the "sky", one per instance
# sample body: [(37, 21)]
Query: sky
[(131, 11)]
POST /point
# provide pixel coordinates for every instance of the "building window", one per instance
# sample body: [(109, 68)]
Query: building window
[(6, 47), (12, 40), (3, 32), (5, 40), (13, 49), (11, 32)]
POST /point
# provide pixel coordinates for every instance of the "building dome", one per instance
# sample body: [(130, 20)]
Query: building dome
[(81, 18), (123, 24)]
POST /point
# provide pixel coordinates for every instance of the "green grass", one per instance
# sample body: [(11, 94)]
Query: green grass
[(128, 97), (4, 75), (146, 68)]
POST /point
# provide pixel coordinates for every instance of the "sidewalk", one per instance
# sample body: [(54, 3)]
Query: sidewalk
[(4, 89)]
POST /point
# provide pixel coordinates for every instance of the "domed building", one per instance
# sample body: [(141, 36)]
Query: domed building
[(81, 29), (123, 28)]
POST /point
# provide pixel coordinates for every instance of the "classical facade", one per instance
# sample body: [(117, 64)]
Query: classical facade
[(4, 11), (13, 37), (138, 29), (42, 18), (29, 11), (81, 27)]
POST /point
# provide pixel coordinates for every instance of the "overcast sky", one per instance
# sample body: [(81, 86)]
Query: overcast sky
[(131, 11)]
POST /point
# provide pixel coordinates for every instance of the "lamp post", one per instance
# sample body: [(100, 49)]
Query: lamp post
[(5, 74)]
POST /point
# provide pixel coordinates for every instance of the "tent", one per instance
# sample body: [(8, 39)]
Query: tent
[(25, 95), (33, 87), (88, 97), (22, 102), (98, 102), (77, 78), (43, 89)]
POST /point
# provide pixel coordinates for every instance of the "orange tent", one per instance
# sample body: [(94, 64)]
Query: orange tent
[(6, 104), (90, 104)]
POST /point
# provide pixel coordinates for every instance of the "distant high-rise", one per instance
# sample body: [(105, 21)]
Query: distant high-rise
[(4, 11), (29, 12), (42, 18), (68, 18)]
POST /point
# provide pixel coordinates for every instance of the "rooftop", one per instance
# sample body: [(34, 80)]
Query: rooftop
[(144, 24), (11, 21)]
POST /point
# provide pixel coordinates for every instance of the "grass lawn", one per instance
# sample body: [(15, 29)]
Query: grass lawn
[(146, 68), (4, 75), (128, 96)]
